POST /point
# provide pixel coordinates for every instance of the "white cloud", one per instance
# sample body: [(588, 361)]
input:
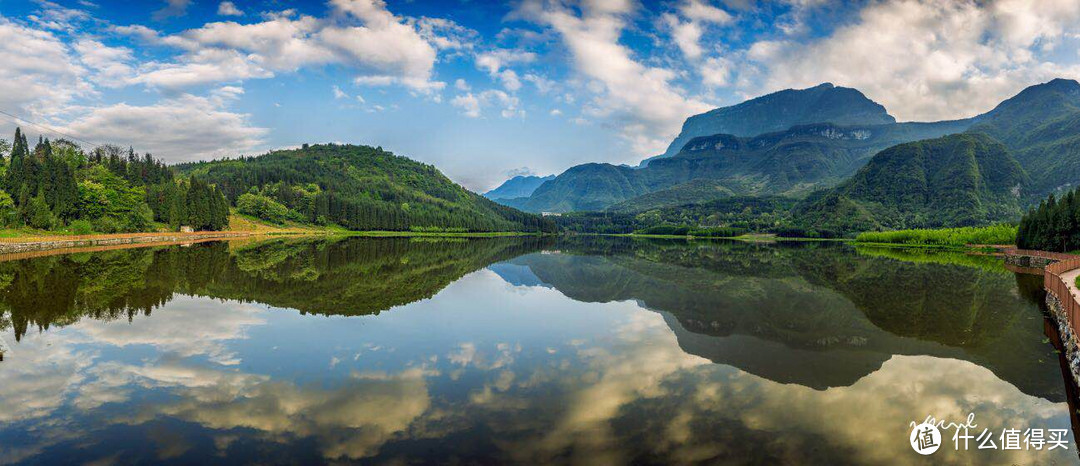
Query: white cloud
[(53, 16), (360, 34), (697, 10), (40, 76), (228, 9), (543, 84), (184, 128), (495, 62), (716, 72), (687, 34), (472, 104), (640, 99), (339, 94), (928, 59), (111, 65), (461, 85), (468, 103), (445, 34)]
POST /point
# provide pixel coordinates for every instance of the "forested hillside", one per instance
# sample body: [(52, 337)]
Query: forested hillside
[(1041, 125), (958, 180), (56, 185), (358, 187), (792, 162)]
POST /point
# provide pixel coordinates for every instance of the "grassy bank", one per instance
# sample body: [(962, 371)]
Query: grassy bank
[(944, 237)]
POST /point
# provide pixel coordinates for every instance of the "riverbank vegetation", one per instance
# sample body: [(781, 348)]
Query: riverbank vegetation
[(949, 237), (1054, 225)]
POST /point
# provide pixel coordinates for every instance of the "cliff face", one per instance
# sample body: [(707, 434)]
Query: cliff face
[(781, 110)]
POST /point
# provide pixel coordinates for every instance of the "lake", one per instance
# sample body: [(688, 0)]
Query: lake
[(521, 350)]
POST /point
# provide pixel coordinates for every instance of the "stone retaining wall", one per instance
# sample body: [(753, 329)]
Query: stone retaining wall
[(60, 243), (1068, 338), (1033, 262)]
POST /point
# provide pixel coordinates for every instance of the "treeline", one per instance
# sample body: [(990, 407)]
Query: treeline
[(1052, 226), (768, 214), (57, 185), (359, 188), (685, 230)]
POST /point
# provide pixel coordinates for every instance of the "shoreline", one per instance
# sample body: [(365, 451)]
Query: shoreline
[(46, 243), (32, 246)]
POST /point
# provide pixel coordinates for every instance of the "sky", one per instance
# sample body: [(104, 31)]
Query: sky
[(488, 90)]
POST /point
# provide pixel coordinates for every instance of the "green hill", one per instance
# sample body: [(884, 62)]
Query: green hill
[(1041, 125), (358, 187), (958, 180)]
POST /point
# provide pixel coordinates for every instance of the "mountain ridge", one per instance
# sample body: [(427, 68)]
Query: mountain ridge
[(518, 186)]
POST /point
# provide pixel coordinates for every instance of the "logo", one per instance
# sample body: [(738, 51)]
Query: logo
[(925, 438)]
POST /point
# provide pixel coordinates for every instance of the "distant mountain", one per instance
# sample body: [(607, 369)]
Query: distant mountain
[(781, 110), (791, 162), (592, 186), (1041, 125), (518, 186), (358, 187), (957, 180)]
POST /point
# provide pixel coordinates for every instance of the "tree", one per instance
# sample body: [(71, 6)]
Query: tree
[(38, 214)]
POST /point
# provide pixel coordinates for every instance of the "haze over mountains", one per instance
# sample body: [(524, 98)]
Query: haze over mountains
[(518, 186), (771, 145)]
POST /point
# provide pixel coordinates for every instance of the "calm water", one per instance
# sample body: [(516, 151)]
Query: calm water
[(518, 350)]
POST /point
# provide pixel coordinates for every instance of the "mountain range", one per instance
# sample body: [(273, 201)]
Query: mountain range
[(1008, 158), (518, 186)]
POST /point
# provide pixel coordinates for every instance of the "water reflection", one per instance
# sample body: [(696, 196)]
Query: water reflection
[(582, 351)]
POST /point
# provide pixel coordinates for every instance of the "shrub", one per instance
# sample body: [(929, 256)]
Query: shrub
[(81, 227), (265, 207)]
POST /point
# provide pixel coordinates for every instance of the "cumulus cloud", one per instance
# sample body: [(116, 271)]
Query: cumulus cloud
[(183, 128), (40, 76), (928, 59), (496, 61), (688, 25), (228, 9), (641, 99), (360, 34)]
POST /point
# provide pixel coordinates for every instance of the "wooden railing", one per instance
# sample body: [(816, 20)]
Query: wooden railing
[(1053, 283)]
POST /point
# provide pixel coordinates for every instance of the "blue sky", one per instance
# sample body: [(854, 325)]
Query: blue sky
[(487, 90)]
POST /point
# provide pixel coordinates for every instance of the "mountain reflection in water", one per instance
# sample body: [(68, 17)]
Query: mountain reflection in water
[(529, 350)]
